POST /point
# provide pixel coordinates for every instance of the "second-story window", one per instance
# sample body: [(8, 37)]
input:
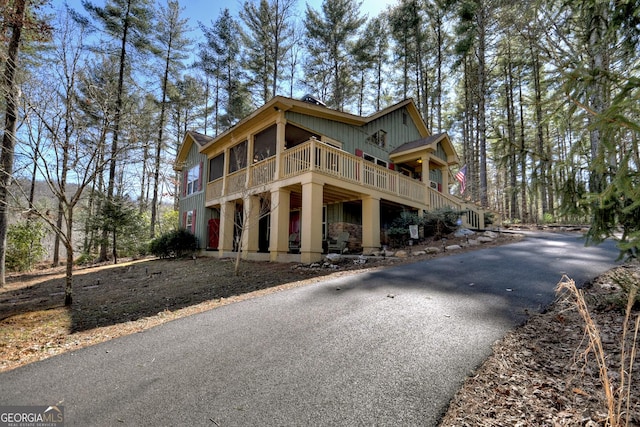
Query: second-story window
[(238, 157), (193, 180), (379, 139)]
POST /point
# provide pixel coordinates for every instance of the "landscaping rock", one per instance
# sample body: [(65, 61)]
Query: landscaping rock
[(361, 260), (464, 232), (418, 253), (485, 239), (490, 234), (432, 250), (402, 254), (333, 258), (453, 247)]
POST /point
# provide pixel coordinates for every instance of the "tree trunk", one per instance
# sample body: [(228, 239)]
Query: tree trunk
[(482, 87), (68, 287), (439, 43), (523, 160), (511, 136), (116, 126), (156, 170), (11, 118), (540, 144)]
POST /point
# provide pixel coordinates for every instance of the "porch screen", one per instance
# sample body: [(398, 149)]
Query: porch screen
[(264, 144), (216, 167), (238, 157)]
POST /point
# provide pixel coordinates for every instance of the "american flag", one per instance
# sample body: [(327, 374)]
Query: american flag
[(461, 176)]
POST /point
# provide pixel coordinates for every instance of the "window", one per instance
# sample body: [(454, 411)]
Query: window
[(378, 139), (238, 157), (192, 180), (372, 159), (216, 167), (190, 221)]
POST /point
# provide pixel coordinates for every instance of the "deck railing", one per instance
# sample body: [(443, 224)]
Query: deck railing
[(320, 157)]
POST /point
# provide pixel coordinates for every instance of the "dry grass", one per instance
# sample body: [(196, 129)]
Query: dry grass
[(617, 396), (544, 373)]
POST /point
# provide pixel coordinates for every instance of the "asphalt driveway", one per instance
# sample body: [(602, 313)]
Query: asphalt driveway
[(378, 348)]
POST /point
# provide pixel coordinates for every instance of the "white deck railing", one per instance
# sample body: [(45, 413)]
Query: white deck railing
[(317, 156)]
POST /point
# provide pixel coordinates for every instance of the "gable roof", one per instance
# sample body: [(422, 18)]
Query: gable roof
[(189, 139), (419, 143), (430, 143)]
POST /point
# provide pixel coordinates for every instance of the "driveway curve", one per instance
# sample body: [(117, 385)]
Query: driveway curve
[(389, 347)]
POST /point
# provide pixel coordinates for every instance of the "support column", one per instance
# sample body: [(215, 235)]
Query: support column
[(311, 223), (280, 141), (227, 216), (251, 226), (425, 169), (425, 180), (370, 225), (445, 180), (279, 237)]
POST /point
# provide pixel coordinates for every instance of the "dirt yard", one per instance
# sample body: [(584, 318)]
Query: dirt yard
[(536, 376)]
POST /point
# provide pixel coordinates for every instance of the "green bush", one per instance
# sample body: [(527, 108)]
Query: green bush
[(24, 245), (176, 243), (440, 222), (398, 232), (437, 223)]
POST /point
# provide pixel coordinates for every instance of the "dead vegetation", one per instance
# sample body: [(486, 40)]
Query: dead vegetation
[(549, 372)]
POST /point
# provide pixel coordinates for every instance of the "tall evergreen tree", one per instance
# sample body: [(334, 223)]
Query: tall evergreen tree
[(171, 44), (472, 30), (268, 39), (330, 36), (220, 57), (20, 20), (129, 23)]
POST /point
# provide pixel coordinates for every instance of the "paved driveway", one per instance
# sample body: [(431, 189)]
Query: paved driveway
[(382, 348)]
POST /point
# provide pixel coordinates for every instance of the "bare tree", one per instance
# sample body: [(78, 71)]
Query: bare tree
[(256, 205)]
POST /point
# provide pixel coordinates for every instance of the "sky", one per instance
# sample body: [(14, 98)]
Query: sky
[(206, 11)]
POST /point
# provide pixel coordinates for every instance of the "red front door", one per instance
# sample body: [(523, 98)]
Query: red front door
[(214, 233)]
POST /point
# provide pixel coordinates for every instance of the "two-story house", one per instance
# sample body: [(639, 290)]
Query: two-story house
[(289, 179)]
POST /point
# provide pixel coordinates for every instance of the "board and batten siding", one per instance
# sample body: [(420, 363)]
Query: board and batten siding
[(196, 201), (397, 124)]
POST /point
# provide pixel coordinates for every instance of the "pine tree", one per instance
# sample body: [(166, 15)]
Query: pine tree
[(171, 44), (220, 57), (129, 23), (329, 36), (20, 19), (268, 39)]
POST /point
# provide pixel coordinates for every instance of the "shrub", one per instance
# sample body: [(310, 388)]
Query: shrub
[(398, 232), (440, 222), (437, 223), (176, 243), (24, 245)]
